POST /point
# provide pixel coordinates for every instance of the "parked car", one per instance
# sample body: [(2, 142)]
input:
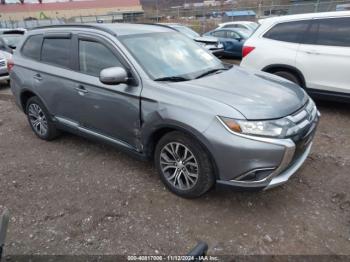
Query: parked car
[(157, 94), (210, 43), (243, 25), (311, 50), (232, 39), (9, 42), (20, 31), (4, 75)]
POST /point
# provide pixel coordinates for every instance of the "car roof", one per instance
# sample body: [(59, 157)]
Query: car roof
[(239, 22), (287, 18), (117, 29)]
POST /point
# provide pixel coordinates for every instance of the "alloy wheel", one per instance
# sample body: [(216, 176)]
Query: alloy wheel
[(179, 166), (38, 119)]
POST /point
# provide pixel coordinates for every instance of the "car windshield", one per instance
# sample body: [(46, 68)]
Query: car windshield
[(170, 55), (11, 40), (186, 31)]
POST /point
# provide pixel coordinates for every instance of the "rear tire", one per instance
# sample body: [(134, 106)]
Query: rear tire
[(184, 165), (40, 120), (289, 76)]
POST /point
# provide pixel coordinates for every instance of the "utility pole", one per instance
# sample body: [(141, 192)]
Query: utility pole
[(317, 5)]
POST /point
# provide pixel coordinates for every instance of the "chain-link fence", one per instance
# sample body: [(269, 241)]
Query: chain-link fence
[(201, 18)]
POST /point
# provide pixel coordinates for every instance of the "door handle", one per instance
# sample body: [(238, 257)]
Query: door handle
[(81, 90), (312, 52), (38, 77)]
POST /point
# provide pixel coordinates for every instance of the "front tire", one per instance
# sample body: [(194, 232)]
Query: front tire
[(184, 165), (39, 120), (289, 76)]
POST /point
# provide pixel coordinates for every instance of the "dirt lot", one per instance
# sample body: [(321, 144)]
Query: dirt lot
[(74, 196)]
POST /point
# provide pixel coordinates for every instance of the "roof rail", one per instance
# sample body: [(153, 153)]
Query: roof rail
[(162, 25), (90, 26)]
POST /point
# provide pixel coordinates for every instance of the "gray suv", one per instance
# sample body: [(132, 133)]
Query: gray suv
[(158, 95)]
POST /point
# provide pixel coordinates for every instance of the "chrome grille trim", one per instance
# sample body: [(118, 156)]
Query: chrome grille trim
[(305, 116)]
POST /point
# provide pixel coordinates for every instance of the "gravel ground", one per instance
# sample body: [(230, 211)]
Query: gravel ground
[(74, 196)]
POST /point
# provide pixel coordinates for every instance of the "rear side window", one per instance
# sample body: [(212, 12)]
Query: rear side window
[(220, 34), (94, 57), (56, 51), (292, 32), (32, 47), (233, 35), (334, 32)]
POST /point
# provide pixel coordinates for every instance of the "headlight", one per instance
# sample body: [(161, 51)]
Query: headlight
[(269, 128)]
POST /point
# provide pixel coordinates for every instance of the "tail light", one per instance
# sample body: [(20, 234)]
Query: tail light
[(10, 64), (247, 50)]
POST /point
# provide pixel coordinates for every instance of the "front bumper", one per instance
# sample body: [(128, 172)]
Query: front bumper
[(275, 181), (274, 171)]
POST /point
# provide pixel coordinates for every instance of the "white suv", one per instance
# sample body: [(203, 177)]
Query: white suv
[(312, 50)]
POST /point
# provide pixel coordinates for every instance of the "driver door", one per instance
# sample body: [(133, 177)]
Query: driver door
[(109, 111)]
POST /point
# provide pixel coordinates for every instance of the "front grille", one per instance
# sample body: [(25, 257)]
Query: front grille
[(306, 121), (303, 119), (2, 63), (4, 74)]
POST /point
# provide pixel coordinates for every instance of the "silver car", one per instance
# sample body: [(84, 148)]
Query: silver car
[(4, 75), (158, 95)]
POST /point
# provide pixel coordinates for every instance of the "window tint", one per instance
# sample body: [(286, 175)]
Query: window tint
[(288, 32), (334, 32), (220, 34), (94, 57), (32, 47), (56, 51)]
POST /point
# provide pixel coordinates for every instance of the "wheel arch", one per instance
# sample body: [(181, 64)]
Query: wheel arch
[(24, 97), (282, 67), (153, 138)]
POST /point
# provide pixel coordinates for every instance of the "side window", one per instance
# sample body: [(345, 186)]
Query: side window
[(220, 34), (288, 32), (334, 32), (94, 57), (32, 47), (232, 35), (56, 51)]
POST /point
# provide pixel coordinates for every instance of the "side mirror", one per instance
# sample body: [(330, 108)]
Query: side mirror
[(114, 76)]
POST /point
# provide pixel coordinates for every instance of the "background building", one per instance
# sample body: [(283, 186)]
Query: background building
[(118, 9)]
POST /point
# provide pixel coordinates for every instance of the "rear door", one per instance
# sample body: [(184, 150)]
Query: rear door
[(53, 80), (234, 43), (324, 58)]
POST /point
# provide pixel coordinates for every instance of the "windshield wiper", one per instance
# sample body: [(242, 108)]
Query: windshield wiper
[(209, 72), (172, 79)]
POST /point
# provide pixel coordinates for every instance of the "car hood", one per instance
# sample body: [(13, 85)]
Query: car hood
[(206, 39), (256, 95)]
